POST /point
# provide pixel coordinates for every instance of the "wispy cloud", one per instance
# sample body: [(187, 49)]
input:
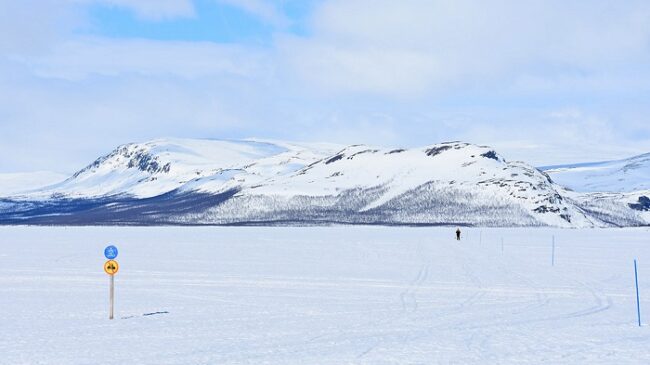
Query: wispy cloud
[(151, 10), (418, 46), (266, 10), (29, 26), (548, 82), (86, 57)]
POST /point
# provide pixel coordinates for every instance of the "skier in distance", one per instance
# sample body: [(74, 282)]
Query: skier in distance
[(457, 234)]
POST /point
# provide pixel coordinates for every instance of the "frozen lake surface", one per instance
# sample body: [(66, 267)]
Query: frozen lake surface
[(331, 295)]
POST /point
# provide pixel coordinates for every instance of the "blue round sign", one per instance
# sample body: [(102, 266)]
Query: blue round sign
[(110, 252)]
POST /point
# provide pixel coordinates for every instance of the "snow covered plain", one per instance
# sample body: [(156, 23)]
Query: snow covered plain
[(328, 295)]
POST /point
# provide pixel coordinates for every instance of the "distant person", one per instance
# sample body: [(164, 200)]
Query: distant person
[(457, 234)]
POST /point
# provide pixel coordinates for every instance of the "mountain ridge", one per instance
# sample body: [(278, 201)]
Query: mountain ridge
[(616, 176), (180, 181)]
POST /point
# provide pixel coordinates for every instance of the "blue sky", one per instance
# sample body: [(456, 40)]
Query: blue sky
[(543, 81), (212, 22)]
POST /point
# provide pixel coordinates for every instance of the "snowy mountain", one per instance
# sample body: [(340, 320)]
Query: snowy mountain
[(449, 183), (628, 175), (149, 169), (175, 181)]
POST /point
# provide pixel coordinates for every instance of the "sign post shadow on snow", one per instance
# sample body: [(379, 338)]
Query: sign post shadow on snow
[(111, 267), (638, 303)]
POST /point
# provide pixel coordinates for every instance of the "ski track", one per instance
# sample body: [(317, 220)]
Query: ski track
[(338, 295)]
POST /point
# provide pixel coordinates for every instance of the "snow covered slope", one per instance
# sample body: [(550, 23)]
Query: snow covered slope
[(618, 209), (144, 170), (175, 181), (448, 183), (622, 176), (16, 183)]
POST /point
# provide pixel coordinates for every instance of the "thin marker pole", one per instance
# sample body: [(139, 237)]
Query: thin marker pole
[(638, 304), (553, 253), (480, 237), (110, 315)]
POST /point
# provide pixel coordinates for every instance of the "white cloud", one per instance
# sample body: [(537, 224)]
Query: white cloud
[(152, 9), (266, 10), (567, 114), (362, 69), (547, 82), (81, 58), (390, 46), (30, 26), (63, 125)]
